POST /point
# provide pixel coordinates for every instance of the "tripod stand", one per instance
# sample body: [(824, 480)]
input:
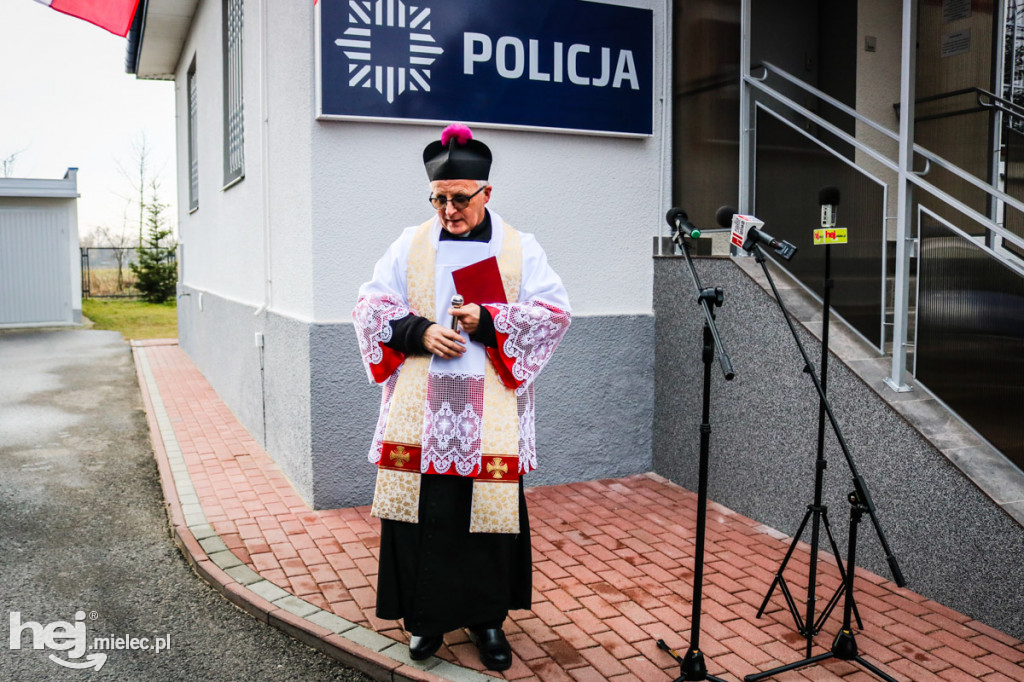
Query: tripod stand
[(845, 645), (863, 503), (817, 513), (692, 666)]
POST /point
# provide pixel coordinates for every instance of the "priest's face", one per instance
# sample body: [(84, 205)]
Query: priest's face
[(454, 219)]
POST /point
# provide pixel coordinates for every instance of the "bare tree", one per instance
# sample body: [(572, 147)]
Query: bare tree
[(7, 164), (120, 243), (139, 174)]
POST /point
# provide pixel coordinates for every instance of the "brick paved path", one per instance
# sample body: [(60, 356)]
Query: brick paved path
[(613, 571)]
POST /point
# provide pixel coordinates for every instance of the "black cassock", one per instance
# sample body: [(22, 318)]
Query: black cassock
[(439, 577)]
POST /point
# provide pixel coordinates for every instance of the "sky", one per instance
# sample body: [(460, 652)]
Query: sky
[(66, 101)]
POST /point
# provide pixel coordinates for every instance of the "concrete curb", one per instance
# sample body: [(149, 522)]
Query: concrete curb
[(379, 657)]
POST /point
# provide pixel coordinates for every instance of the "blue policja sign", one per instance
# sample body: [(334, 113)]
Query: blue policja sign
[(565, 64)]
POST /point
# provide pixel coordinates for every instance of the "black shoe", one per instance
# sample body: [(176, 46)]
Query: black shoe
[(424, 647), (495, 652)]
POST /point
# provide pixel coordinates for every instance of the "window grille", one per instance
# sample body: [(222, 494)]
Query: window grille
[(193, 140), (234, 120)]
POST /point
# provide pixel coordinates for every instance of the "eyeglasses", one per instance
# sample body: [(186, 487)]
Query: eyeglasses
[(460, 201)]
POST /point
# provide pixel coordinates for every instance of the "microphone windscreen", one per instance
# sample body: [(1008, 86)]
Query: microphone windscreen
[(723, 216), (675, 213), (828, 196)]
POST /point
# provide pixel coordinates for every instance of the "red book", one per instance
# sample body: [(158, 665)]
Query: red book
[(480, 282)]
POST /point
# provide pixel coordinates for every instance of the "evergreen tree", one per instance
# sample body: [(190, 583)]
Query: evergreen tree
[(156, 269)]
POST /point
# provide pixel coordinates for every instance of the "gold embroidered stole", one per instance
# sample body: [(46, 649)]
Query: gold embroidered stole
[(495, 506)]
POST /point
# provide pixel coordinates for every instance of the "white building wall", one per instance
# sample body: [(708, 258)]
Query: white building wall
[(223, 247), (878, 87)]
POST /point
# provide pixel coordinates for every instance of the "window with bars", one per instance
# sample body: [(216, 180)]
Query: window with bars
[(193, 139), (234, 120)]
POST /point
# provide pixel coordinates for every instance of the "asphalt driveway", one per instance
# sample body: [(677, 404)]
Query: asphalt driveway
[(87, 568)]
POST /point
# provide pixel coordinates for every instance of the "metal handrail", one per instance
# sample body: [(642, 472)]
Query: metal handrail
[(918, 149), (815, 118), (983, 220), (768, 66), (986, 100), (1000, 103)]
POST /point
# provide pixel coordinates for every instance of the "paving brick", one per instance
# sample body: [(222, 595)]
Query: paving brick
[(999, 648), (575, 636), (1003, 666), (999, 677), (609, 592), (587, 674), (913, 671), (636, 613), (538, 630), (587, 621), (547, 669), (913, 636), (642, 598), (548, 613), (959, 660), (645, 670), (561, 600), (626, 629), (615, 645), (564, 654), (749, 632)]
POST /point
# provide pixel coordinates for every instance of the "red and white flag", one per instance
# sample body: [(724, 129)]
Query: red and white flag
[(114, 15)]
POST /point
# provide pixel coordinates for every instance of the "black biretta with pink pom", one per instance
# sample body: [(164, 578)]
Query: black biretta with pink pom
[(457, 156)]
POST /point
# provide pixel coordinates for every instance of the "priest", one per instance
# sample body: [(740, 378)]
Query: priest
[(455, 433)]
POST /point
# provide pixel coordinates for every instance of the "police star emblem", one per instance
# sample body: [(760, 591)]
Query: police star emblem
[(389, 47)]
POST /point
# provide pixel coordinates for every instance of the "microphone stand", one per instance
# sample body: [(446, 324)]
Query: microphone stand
[(816, 511), (845, 646), (691, 665)]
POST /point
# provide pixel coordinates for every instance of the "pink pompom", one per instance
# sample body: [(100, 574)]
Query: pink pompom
[(461, 133)]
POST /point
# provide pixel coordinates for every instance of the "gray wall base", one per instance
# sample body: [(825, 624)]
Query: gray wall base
[(594, 408), (270, 394), (314, 411), (954, 544)]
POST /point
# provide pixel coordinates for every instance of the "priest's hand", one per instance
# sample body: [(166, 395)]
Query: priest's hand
[(468, 316), (443, 342)]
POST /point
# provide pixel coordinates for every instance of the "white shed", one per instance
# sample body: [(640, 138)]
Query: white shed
[(40, 262)]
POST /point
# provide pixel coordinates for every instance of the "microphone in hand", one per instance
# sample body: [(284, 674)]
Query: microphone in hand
[(457, 302)]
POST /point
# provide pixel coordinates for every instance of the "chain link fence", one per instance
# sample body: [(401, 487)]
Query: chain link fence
[(107, 273)]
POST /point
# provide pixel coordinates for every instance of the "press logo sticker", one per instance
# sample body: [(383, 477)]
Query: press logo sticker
[(71, 641), (831, 235)]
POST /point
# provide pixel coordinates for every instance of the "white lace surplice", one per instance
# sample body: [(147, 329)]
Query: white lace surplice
[(531, 328)]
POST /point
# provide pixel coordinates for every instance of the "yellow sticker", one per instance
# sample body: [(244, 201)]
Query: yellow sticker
[(832, 235)]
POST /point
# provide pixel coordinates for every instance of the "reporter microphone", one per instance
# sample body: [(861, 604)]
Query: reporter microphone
[(828, 197), (680, 222), (747, 232), (457, 302)]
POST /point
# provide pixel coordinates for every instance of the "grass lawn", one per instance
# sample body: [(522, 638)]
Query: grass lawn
[(134, 319)]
